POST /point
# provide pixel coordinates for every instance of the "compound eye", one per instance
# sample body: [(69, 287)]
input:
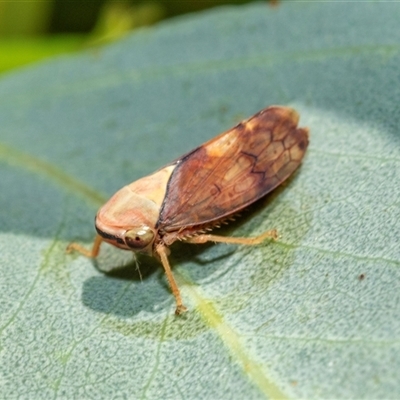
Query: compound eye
[(139, 238)]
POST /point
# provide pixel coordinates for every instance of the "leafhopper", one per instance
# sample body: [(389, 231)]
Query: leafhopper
[(200, 190)]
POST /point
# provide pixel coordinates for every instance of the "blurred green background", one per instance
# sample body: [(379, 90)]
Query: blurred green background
[(30, 31)]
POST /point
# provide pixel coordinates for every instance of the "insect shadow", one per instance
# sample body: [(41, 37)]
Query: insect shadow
[(139, 285)]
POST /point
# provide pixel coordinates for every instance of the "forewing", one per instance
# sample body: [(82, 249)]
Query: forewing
[(234, 169)]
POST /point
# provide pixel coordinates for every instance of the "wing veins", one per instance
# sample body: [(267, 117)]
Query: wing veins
[(234, 169), (201, 182)]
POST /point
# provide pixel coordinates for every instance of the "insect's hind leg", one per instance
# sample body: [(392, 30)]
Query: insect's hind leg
[(251, 241)]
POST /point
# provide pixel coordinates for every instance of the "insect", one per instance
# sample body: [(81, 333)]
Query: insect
[(202, 189)]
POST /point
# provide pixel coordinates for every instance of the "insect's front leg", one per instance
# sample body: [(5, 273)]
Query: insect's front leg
[(93, 253), (272, 234), (163, 252)]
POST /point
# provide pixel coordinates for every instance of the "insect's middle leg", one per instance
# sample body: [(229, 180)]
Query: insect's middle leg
[(272, 234), (162, 252)]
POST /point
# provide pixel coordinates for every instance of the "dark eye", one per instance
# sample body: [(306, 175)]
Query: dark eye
[(139, 238)]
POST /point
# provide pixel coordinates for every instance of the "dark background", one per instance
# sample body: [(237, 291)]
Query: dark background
[(73, 16), (82, 16)]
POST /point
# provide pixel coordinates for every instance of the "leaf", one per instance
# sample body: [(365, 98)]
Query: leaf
[(313, 315)]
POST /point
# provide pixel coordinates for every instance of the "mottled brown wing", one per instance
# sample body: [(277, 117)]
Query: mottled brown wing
[(234, 169)]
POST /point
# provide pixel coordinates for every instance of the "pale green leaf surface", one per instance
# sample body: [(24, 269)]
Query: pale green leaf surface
[(316, 314)]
